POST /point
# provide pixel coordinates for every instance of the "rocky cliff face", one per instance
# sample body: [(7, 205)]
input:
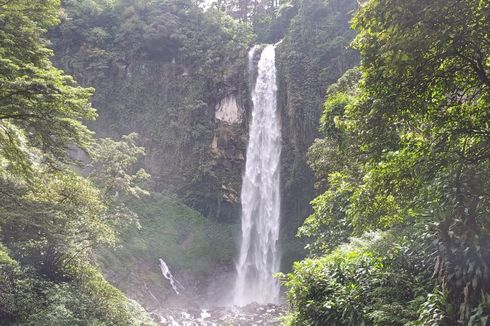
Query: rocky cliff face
[(178, 77), (313, 55), (194, 135)]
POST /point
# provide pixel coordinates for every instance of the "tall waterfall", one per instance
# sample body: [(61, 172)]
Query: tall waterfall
[(259, 253)]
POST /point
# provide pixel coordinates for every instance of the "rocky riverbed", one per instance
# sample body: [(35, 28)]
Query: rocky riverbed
[(252, 314)]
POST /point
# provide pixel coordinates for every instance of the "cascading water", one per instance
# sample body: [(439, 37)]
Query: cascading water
[(176, 286), (259, 253)]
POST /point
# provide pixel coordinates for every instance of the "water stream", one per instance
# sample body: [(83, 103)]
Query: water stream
[(259, 256), (176, 286)]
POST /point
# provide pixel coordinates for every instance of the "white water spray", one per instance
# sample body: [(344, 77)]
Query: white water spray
[(259, 253)]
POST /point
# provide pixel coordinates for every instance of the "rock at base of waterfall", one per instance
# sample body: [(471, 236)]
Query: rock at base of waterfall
[(252, 314)]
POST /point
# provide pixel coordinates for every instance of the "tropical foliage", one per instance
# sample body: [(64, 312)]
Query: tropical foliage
[(406, 147), (51, 218)]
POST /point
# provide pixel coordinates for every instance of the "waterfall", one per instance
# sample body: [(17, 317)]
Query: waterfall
[(259, 253), (251, 66), (176, 286)]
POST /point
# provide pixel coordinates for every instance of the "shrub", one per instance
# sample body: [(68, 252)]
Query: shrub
[(368, 281)]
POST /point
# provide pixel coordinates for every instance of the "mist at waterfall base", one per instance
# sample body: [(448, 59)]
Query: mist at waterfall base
[(259, 256)]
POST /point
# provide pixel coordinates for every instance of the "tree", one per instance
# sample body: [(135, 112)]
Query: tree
[(112, 171), (424, 118), (38, 103), (50, 217), (57, 221), (410, 146)]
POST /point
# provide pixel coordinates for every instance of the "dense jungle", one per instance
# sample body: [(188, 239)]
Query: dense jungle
[(245, 162)]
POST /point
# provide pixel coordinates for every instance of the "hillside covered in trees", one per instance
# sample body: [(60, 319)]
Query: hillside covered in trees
[(126, 129)]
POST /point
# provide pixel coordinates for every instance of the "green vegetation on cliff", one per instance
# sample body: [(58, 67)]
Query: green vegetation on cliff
[(161, 68), (313, 55), (191, 245)]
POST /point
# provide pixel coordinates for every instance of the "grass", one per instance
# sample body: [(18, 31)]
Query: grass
[(190, 244)]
